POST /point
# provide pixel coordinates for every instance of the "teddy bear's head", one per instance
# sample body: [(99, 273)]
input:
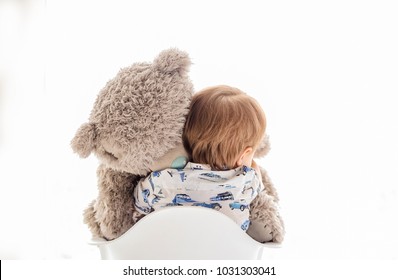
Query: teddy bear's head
[(139, 115)]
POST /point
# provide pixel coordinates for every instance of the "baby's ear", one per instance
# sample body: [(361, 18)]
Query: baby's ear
[(172, 60), (84, 141), (263, 147)]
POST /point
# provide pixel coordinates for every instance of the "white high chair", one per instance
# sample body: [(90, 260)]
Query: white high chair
[(188, 232)]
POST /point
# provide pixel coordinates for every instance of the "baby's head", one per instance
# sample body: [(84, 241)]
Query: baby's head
[(224, 126)]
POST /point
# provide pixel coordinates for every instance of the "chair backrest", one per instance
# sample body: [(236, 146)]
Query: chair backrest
[(182, 233)]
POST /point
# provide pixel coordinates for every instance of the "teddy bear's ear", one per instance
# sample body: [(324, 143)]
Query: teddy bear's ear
[(172, 60), (84, 141), (263, 148)]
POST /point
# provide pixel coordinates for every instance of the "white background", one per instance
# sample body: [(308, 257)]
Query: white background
[(325, 72)]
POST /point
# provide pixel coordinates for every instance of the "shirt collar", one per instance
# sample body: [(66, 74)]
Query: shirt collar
[(197, 166), (201, 166)]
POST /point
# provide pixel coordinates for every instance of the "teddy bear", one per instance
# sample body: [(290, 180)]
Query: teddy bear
[(134, 128)]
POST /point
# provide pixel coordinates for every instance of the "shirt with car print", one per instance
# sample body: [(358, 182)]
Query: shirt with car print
[(227, 191)]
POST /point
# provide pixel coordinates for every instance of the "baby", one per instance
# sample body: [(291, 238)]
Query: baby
[(224, 126)]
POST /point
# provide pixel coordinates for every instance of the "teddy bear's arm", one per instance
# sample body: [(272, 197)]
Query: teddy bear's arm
[(113, 212), (266, 223)]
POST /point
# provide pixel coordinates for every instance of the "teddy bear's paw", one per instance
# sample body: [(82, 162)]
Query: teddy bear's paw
[(260, 232), (278, 237), (279, 231)]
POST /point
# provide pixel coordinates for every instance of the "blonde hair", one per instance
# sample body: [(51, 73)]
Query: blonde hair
[(222, 122)]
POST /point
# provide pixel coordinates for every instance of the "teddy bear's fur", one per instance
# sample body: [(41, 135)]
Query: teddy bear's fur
[(134, 128)]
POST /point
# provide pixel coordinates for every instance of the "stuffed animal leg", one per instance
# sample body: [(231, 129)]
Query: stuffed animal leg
[(113, 213), (266, 223)]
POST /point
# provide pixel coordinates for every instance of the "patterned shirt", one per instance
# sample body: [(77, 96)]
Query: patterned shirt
[(229, 191)]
